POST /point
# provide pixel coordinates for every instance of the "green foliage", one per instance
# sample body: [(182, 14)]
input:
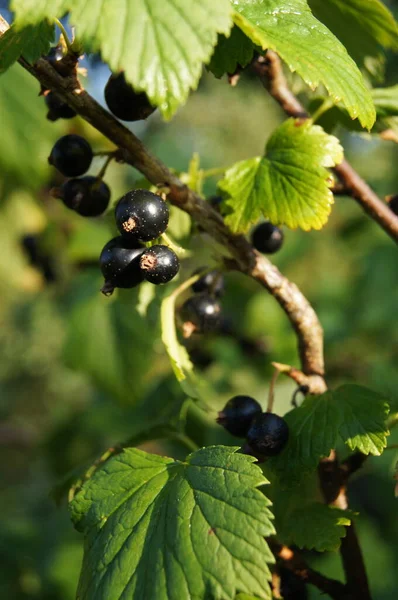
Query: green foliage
[(386, 101), (290, 184), (363, 27), (353, 413), (31, 42), (237, 49), (309, 48), (160, 528)]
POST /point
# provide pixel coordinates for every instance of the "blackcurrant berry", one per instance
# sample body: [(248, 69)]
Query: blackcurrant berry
[(201, 314), (124, 102), (159, 264), (238, 414), (71, 155), (54, 55), (212, 282), (120, 264), (267, 238), (57, 108), (142, 215), (88, 196), (268, 434), (393, 204)]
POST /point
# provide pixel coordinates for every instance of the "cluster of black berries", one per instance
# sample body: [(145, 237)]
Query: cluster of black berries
[(141, 216), (202, 312), (266, 433)]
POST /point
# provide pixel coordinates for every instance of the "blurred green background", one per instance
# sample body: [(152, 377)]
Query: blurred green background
[(80, 372)]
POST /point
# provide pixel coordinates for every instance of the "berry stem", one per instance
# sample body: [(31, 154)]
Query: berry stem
[(271, 393), (179, 250), (185, 440), (65, 34), (324, 107), (104, 168)]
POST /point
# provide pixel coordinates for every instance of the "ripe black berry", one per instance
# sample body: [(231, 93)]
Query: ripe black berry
[(201, 313), (238, 414), (393, 204), (212, 282), (120, 264), (71, 155), (268, 434), (142, 215), (159, 264), (124, 102), (88, 195), (57, 108), (267, 238)]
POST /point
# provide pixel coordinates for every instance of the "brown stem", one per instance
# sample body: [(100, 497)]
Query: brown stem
[(248, 261), (354, 566), (269, 69), (294, 562)]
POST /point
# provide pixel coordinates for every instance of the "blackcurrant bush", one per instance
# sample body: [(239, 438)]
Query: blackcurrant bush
[(124, 102), (268, 434), (201, 314), (159, 264), (88, 196), (57, 108), (142, 215), (212, 282), (71, 155), (120, 264), (267, 238), (238, 414), (393, 204)]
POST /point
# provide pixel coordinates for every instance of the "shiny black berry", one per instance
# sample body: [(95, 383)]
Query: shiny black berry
[(393, 204), (267, 238), (120, 264), (212, 282), (159, 264), (201, 314), (238, 414), (71, 155), (57, 108), (124, 102), (141, 215), (268, 434), (87, 195)]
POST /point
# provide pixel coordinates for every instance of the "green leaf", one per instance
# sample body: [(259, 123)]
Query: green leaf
[(290, 184), (313, 430), (363, 418), (31, 42), (163, 529), (386, 101), (362, 27), (237, 49), (309, 48), (30, 12), (316, 527)]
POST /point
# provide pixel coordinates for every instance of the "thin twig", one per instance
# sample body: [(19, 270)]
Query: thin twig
[(299, 311), (270, 71)]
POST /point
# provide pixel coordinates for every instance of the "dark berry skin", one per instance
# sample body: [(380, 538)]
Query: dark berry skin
[(57, 108), (88, 196), (268, 434), (203, 312), (120, 264), (71, 155), (267, 238), (124, 102), (159, 264), (238, 414), (141, 215), (393, 204), (212, 282)]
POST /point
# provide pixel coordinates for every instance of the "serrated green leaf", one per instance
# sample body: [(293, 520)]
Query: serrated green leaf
[(30, 12), (364, 414), (168, 530), (31, 42), (309, 48), (316, 527), (237, 49), (290, 185), (362, 27), (313, 430)]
